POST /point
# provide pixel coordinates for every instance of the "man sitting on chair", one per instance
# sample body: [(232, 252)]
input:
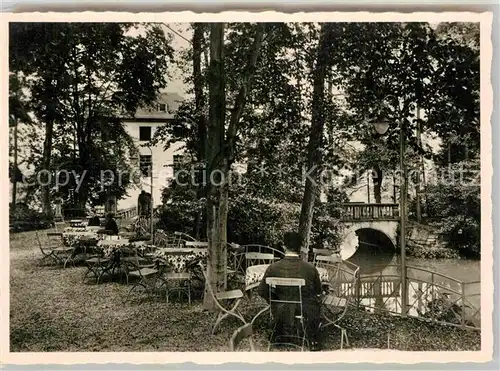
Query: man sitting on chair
[(94, 221), (111, 225), (291, 266)]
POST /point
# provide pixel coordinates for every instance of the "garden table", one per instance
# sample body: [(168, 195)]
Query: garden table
[(255, 273), (78, 223), (178, 258), (82, 245), (110, 247), (72, 236)]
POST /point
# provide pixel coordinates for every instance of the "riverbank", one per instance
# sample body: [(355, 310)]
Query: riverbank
[(425, 242)]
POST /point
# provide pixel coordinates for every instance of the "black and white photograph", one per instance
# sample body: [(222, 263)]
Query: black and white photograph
[(264, 186)]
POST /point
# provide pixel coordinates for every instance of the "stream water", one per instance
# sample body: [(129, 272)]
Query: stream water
[(380, 272)]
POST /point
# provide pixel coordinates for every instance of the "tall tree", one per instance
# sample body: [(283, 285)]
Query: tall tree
[(18, 113), (220, 149), (200, 102), (217, 196), (89, 76), (391, 69), (31, 53), (316, 136)]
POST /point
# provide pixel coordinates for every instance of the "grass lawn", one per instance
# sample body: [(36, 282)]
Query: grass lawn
[(51, 309)]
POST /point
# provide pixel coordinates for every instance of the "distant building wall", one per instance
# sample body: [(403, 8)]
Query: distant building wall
[(162, 160)]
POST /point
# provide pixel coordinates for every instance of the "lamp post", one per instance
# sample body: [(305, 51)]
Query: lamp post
[(151, 190), (381, 128), (110, 199)]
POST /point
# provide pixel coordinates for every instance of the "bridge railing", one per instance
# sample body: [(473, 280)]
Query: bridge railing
[(361, 212), (127, 213), (432, 296)]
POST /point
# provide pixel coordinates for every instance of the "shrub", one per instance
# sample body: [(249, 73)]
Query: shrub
[(260, 221), (178, 216), (326, 230), (455, 205), (27, 219), (251, 220)]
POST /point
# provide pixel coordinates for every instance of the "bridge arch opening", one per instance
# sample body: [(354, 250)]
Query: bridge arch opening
[(370, 249)]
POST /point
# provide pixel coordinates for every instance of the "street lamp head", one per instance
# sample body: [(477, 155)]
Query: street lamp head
[(381, 126)]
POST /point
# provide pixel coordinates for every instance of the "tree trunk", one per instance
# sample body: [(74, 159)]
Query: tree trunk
[(200, 116), (394, 188), (316, 137), (216, 268), (47, 153), (14, 180), (449, 152), (219, 151), (417, 186), (377, 184), (368, 185), (82, 192)]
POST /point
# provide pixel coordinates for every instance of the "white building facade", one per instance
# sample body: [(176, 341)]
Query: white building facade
[(142, 128)]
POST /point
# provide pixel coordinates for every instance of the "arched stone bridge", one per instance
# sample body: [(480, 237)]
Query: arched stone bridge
[(380, 218)]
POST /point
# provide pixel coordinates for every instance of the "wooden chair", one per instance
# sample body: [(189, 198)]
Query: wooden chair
[(180, 238), (180, 279), (236, 257), (241, 333), (322, 252), (141, 226), (59, 254), (55, 239), (128, 235), (233, 298), (239, 255), (133, 262), (296, 283), (196, 244), (184, 236), (104, 232), (162, 239), (245, 331), (143, 270), (328, 261), (204, 244), (343, 278), (96, 266), (59, 226), (257, 258)]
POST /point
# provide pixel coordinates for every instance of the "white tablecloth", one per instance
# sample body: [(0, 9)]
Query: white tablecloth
[(71, 237), (255, 274), (177, 258), (110, 246)]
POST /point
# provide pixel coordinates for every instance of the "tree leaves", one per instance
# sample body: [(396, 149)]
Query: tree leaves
[(85, 77)]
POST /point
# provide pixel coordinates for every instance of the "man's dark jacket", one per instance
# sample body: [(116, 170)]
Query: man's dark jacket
[(95, 222), (112, 226), (294, 267)]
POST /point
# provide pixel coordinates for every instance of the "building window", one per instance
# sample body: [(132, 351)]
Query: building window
[(145, 163), (144, 133), (162, 107)]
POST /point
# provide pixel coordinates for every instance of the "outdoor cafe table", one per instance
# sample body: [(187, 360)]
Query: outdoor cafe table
[(71, 236), (255, 273), (110, 246), (78, 223), (178, 257)]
